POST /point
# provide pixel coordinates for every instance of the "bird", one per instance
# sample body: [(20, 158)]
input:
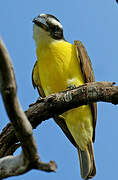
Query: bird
[(60, 66)]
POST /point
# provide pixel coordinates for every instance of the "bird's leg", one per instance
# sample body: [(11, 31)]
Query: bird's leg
[(70, 87)]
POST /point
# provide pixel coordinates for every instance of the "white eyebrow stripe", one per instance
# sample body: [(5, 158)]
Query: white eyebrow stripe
[(55, 22), (43, 15)]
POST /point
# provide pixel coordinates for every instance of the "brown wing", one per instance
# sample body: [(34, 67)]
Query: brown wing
[(58, 119), (36, 80), (88, 74)]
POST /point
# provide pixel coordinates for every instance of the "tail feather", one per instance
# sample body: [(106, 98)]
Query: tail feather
[(93, 167), (87, 162)]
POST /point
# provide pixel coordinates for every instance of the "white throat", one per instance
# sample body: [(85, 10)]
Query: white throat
[(41, 36)]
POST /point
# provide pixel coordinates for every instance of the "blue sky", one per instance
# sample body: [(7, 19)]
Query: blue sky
[(95, 23)]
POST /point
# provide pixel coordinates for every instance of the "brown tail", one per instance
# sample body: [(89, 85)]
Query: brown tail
[(87, 162)]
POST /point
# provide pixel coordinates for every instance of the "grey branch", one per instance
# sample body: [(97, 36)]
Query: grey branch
[(29, 158), (57, 104)]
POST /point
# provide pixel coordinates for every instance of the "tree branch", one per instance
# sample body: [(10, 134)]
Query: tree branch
[(60, 102), (29, 158)]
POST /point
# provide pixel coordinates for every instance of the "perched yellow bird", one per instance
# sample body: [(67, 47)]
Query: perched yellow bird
[(60, 65)]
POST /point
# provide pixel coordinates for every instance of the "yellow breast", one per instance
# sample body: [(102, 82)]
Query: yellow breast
[(59, 68)]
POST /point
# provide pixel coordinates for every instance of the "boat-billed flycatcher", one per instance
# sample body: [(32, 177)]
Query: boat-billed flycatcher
[(59, 66)]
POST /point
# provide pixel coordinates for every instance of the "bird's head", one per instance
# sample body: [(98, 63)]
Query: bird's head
[(46, 28)]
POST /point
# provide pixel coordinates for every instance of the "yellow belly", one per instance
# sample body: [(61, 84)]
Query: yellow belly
[(58, 69)]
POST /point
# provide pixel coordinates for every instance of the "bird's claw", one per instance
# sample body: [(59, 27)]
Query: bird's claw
[(70, 87)]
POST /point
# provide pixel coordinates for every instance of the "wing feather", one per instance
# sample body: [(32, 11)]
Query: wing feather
[(88, 74), (36, 80)]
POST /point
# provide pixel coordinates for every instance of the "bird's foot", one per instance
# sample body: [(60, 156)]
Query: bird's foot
[(70, 87)]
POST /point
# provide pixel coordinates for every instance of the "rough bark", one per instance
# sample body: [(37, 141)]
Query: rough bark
[(57, 104)]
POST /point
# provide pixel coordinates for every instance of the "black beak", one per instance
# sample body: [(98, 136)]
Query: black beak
[(41, 22)]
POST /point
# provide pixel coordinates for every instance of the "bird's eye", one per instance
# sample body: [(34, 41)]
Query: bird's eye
[(53, 27), (56, 28)]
